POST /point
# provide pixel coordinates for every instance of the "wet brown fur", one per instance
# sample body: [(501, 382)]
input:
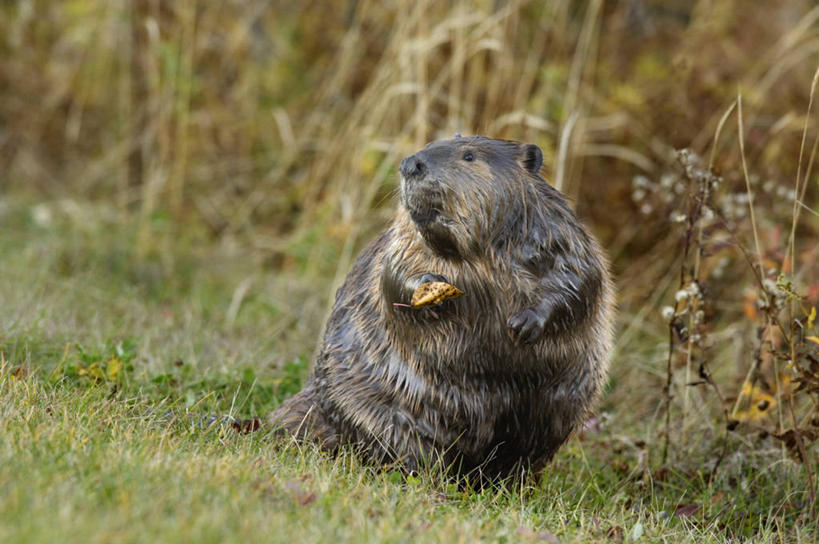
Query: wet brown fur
[(494, 381)]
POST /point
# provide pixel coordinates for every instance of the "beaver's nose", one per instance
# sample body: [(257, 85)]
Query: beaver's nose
[(412, 167)]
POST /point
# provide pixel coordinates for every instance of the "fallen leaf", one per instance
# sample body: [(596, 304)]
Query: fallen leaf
[(749, 307), (245, 426), (433, 293), (814, 339), (686, 510)]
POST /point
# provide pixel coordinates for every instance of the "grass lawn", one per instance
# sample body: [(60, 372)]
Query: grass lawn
[(94, 349)]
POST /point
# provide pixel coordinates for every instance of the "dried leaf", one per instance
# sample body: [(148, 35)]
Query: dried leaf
[(749, 307), (245, 426), (434, 293), (686, 510), (814, 339)]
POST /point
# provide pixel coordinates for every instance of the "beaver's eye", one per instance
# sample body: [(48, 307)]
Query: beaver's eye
[(468, 156)]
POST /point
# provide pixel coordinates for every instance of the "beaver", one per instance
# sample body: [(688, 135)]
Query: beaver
[(494, 381)]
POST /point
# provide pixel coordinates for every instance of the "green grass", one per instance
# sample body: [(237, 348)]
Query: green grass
[(85, 455)]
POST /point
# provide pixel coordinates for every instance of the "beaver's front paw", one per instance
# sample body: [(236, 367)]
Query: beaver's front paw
[(526, 326), (429, 278)]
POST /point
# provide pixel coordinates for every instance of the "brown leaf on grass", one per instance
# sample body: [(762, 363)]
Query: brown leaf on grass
[(433, 293), (245, 426), (686, 510)]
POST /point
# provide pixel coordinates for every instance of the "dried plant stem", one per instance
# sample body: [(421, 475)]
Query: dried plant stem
[(693, 225), (717, 134), (803, 452), (183, 93), (798, 196), (749, 376), (667, 391), (703, 193), (584, 57), (695, 274), (455, 105), (779, 417), (741, 135), (757, 247), (139, 90), (422, 96), (585, 45), (563, 152), (801, 183)]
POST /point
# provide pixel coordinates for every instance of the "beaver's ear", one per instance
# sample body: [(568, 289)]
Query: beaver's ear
[(531, 157)]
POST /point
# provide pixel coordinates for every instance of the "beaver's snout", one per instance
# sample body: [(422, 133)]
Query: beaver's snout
[(413, 167), (421, 193)]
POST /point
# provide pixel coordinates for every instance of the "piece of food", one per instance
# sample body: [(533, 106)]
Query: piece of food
[(434, 293)]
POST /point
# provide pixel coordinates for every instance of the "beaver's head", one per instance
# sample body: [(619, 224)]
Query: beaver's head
[(465, 193)]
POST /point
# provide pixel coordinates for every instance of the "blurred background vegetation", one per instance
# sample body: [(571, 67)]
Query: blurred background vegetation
[(226, 161)]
